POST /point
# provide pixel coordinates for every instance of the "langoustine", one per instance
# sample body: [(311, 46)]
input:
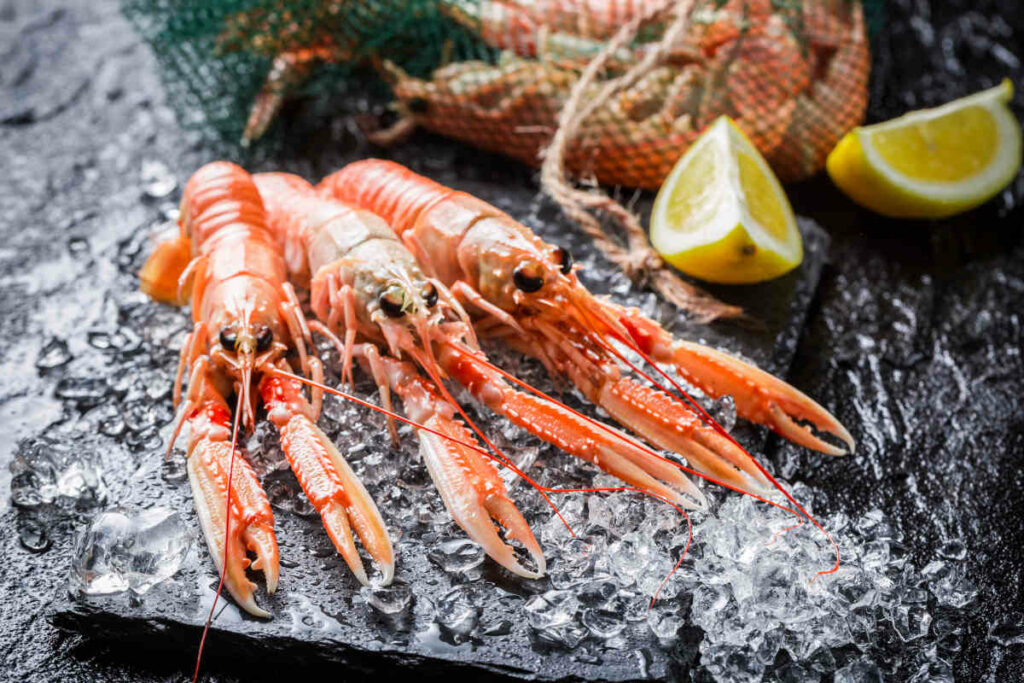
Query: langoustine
[(526, 292), (364, 285), (793, 76), (246, 319)]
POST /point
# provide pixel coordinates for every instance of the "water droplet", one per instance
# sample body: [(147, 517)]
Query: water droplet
[(33, 535), (86, 391), (157, 179), (53, 354), (175, 468)]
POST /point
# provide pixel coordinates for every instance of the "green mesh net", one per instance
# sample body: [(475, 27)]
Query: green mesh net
[(497, 74)]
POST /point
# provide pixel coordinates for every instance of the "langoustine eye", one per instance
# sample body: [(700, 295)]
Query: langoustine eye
[(528, 277), (228, 338), (392, 302), (564, 259), (429, 295), (264, 337)]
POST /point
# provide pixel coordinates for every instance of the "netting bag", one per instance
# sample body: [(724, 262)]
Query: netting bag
[(612, 91)]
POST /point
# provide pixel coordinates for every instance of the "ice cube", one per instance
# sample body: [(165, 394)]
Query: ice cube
[(910, 621), (664, 620), (953, 550), (573, 562), (861, 670), (948, 583), (458, 611), (553, 608), (125, 550), (629, 557), (457, 556), (797, 673), (567, 635), (933, 671), (390, 601), (53, 354), (731, 663), (603, 623)]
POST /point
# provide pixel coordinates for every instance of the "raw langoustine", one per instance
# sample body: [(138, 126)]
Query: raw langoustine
[(246, 320), (364, 284), (527, 293)]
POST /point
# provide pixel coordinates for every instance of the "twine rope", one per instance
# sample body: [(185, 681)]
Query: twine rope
[(636, 258)]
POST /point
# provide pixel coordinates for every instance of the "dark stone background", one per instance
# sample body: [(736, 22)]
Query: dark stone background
[(914, 338)]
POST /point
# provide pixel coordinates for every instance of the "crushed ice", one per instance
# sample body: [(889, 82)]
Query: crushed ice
[(747, 583)]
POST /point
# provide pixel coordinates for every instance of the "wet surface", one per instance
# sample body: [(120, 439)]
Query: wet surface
[(913, 339)]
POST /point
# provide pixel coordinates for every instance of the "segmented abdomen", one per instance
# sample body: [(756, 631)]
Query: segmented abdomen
[(389, 190), (322, 229), (222, 213)]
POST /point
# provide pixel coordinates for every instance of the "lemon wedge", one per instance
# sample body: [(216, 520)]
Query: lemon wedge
[(934, 162), (722, 215)]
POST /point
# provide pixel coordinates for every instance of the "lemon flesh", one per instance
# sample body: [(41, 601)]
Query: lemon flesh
[(722, 215), (934, 162)]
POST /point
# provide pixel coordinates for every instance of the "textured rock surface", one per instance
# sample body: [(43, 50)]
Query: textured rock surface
[(914, 339)]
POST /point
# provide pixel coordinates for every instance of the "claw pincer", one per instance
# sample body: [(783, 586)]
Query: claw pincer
[(251, 528), (328, 481)]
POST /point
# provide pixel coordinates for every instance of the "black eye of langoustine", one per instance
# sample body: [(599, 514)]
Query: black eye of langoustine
[(429, 295), (391, 302), (564, 258), (228, 338), (264, 336), (527, 278)]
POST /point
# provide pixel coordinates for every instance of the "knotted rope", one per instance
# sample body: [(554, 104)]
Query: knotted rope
[(636, 257)]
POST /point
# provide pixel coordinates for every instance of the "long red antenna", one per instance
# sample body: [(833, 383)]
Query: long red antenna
[(227, 535)]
